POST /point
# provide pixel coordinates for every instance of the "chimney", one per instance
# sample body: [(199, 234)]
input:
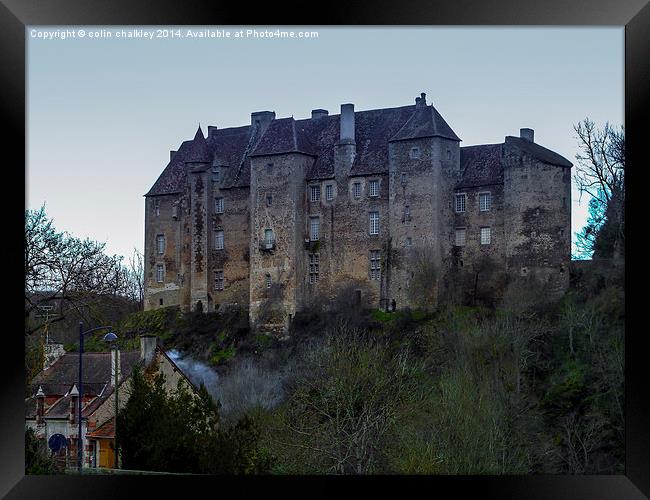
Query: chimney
[(527, 134), (116, 353), (40, 405), (262, 119), (211, 130), (147, 348), (347, 124), (74, 406), (318, 113), (171, 155), (421, 102)]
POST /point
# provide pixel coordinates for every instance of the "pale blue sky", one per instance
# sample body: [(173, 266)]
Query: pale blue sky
[(103, 113)]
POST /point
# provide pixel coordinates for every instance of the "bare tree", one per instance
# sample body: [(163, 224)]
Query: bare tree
[(600, 173), (66, 271), (422, 262)]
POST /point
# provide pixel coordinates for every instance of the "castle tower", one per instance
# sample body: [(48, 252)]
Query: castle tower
[(537, 213), (279, 165), (423, 168)]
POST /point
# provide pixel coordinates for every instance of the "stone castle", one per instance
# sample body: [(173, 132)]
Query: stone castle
[(383, 205)]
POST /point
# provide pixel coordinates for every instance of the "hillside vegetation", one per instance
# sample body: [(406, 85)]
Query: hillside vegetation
[(523, 388)]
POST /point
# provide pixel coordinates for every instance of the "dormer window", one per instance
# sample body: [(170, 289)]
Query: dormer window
[(415, 153)]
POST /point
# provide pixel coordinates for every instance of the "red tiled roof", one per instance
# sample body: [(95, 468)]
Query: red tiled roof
[(106, 430)]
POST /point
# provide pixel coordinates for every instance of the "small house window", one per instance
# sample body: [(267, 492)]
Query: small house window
[(160, 240), (356, 190), (485, 235), (329, 192), (218, 279), (460, 236), (373, 188), (268, 281), (314, 268), (218, 239), (218, 205), (374, 222), (375, 265), (485, 202), (160, 273), (269, 200), (314, 228), (460, 202), (269, 238), (314, 193), (415, 153), (160, 302)]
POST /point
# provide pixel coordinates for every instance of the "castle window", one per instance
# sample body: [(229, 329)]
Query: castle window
[(485, 201), (374, 222), (218, 205), (160, 273), (415, 153), (315, 193), (269, 200), (486, 233), (329, 192), (356, 190), (160, 302), (460, 236), (403, 179), (407, 212), (460, 202), (449, 154), (175, 211), (156, 207), (314, 267), (409, 242), (269, 168), (314, 228), (373, 188), (268, 281), (218, 279), (269, 238), (215, 174), (218, 239), (160, 243), (375, 265)]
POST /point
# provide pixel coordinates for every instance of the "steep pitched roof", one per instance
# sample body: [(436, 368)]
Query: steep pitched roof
[(64, 373), (198, 152), (425, 122), (481, 165), (284, 136), (172, 178), (539, 152)]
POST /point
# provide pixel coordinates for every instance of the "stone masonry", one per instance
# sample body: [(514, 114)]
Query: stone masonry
[(383, 204)]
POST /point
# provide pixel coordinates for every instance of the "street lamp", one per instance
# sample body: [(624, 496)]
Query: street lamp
[(81, 393), (111, 338)]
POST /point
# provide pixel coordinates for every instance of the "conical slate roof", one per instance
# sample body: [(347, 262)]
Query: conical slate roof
[(199, 152)]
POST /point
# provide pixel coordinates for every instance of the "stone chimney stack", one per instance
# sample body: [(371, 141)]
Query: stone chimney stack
[(211, 130), (147, 348), (40, 405), (318, 113), (171, 155), (74, 406), (527, 134), (421, 102), (116, 353), (347, 124), (262, 120)]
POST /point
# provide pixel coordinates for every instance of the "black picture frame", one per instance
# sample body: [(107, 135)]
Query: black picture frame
[(634, 15)]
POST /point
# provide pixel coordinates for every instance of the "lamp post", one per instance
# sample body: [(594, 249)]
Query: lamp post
[(81, 394), (112, 339)]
